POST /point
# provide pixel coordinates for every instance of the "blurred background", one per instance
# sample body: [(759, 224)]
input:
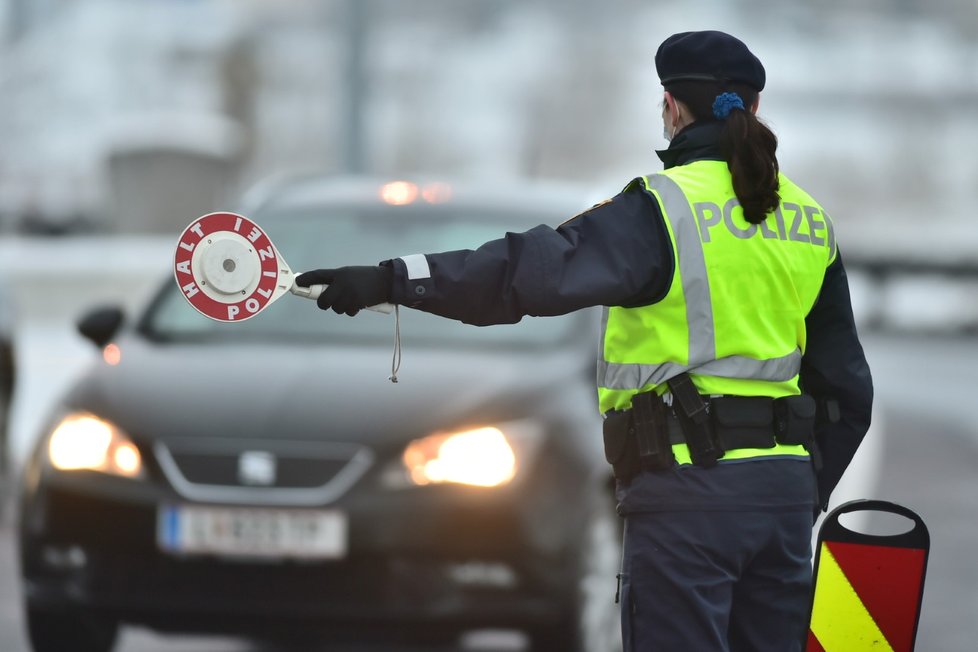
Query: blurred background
[(122, 120)]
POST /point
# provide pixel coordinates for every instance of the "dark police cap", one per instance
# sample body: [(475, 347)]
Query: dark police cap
[(708, 56)]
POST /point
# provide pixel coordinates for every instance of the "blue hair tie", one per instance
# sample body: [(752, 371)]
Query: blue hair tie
[(725, 103)]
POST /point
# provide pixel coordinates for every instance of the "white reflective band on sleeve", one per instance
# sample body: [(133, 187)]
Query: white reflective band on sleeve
[(417, 266)]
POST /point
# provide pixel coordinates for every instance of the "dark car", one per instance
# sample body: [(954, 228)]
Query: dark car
[(264, 478), (8, 369)]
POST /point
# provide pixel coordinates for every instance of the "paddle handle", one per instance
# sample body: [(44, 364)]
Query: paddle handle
[(313, 292)]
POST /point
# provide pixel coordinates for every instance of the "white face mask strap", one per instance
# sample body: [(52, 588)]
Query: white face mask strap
[(665, 122), (396, 360)]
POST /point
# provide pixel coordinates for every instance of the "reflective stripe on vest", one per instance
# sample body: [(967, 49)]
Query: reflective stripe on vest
[(635, 375)]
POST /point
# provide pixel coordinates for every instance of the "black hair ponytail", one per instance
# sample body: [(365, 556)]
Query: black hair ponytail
[(748, 145), (749, 148)]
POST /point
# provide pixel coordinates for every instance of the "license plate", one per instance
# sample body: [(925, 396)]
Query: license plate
[(252, 532)]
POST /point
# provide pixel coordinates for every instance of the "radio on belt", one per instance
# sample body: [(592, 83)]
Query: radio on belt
[(229, 270)]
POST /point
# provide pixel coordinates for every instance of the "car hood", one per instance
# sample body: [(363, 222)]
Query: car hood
[(336, 392)]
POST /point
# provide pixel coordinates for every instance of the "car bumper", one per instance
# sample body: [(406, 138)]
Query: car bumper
[(455, 560)]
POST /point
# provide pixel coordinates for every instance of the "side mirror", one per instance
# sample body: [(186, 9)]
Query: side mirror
[(101, 324)]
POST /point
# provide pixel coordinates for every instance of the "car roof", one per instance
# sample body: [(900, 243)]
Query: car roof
[(309, 191)]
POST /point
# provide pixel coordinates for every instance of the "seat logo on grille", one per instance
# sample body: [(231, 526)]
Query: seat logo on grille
[(257, 468)]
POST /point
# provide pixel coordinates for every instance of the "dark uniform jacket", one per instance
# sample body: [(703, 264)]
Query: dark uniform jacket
[(618, 253)]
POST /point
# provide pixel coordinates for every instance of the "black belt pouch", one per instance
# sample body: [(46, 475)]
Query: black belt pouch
[(743, 421), (620, 447), (795, 416)]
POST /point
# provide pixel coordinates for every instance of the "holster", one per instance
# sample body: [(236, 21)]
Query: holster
[(694, 418)]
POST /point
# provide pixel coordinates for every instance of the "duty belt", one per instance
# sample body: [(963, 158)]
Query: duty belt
[(641, 438)]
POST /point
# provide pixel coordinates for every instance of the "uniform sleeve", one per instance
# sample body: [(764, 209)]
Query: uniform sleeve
[(834, 367), (616, 253)]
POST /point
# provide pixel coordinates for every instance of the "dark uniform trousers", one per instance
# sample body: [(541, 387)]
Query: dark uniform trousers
[(728, 580)]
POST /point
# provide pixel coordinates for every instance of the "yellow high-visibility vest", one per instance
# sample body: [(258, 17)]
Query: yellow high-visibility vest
[(734, 314)]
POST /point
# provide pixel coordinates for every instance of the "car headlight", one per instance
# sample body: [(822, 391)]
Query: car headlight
[(489, 456), (82, 441)]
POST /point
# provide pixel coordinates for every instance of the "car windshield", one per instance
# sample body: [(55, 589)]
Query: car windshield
[(358, 236)]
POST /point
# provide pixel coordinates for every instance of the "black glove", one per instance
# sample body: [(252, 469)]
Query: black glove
[(350, 288)]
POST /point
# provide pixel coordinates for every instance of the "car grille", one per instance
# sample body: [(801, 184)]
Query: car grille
[(261, 471)]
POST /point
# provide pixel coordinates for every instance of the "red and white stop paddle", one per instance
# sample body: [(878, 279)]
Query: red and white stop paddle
[(229, 270)]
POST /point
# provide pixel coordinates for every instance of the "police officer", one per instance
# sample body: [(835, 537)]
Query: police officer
[(734, 386)]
